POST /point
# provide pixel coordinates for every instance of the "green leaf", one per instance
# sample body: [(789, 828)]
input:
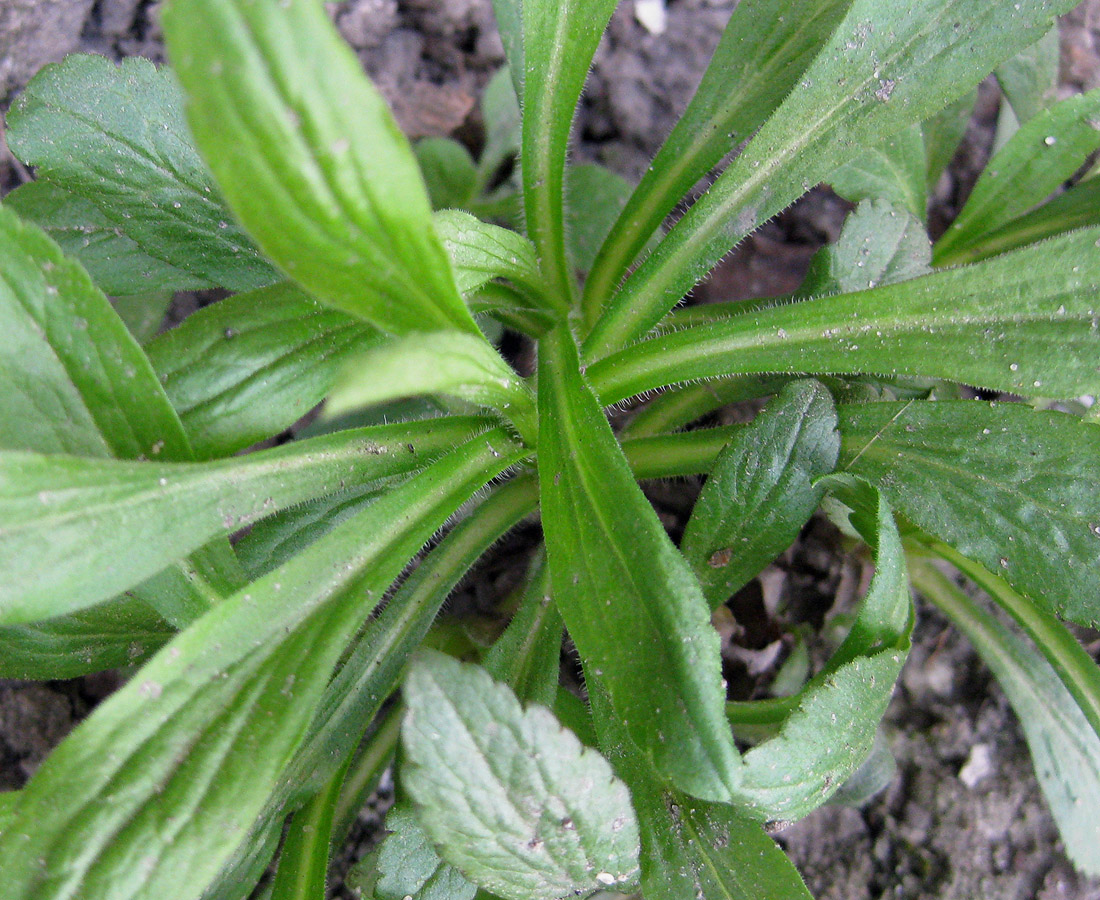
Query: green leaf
[(1011, 487), (118, 265), (1022, 322), (481, 252), (115, 137), (446, 363), (243, 370), (311, 160), (1042, 155), (559, 40), (944, 132), (1076, 208), (761, 490), (886, 66), (174, 768), (302, 873), (594, 198), (831, 730), (1029, 80), (77, 531), (527, 657), (766, 46), (894, 170), (376, 662), (628, 597), (503, 120), (692, 848), (509, 17), (143, 314), (72, 379), (510, 798), (118, 633), (448, 170), (409, 867), (1065, 750), (879, 244)]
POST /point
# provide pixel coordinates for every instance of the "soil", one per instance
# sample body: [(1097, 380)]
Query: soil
[(963, 818)]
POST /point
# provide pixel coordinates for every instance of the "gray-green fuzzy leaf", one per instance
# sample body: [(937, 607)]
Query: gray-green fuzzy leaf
[(311, 160), (1029, 80), (116, 138), (894, 170), (409, 867), (1013, 488), (242, 370), (509, 797), (761, 490)]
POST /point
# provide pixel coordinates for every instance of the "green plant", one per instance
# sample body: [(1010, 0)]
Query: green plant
[(262, 668)]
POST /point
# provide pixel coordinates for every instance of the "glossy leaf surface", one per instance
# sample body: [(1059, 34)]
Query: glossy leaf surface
[(1010, 487), (627, 595), (116, 138), (242, 370), (311, 160), (761, 490), (550, 817), (481, 252)]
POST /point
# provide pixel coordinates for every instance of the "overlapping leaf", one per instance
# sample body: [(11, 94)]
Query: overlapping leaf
[(886, 66), (1013, 488), (115, 139), (511, 799), (173, 769), (311, 160), (76, 531), (761, 490), (242, 370), (628, 597)]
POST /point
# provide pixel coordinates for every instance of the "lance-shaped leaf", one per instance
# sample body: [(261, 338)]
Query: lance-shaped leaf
[(1065, 749), (1011, 487), (242, 370), (559, 39), (879, 244), (761, 490), (944, 132), (118, 265), (77, 531), (628, 597), (449, 173), (119, 633), (886, 66), (894, 170), (766, 46), (1029, 81), (453, 365), (690, 847), (174, 768), (311, 160), (74, 381), (831, 730), (1078, 207), (1034, 163), (511, 799), (1024, 322), (481, 252), (115, 137)]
